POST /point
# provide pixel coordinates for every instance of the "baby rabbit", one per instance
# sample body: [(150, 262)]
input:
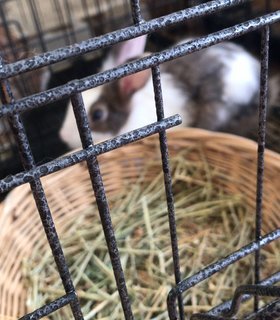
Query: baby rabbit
[(210, 89)]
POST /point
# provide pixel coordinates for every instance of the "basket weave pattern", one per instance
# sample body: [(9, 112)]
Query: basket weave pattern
[(69, 192)]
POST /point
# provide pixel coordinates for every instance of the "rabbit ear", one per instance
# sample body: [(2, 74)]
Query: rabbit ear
[(124, 51), (128, 85), (129, 49)]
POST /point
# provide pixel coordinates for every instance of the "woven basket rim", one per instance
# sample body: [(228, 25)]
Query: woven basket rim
[(214, 141)]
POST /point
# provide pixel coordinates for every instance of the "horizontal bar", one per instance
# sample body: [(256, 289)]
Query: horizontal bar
[(64, 91), (252, 289), (269, 311), (210, 270), (50, 307), (18, 179), (225, 306), (112, 38), (206, 316)]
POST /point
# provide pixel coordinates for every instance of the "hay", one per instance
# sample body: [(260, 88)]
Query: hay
[(210, 225)]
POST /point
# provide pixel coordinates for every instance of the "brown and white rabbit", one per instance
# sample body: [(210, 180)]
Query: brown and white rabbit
[(215, 88)]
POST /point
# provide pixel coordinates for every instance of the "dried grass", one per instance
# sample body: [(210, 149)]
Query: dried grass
[(210, 225)]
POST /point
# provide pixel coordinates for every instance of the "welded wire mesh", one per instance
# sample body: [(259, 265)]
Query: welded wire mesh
[(12, 109)]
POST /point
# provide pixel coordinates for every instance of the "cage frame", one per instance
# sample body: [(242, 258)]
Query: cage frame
[(11, 109)]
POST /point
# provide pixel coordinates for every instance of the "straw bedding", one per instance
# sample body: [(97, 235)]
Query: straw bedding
[(214, 216)]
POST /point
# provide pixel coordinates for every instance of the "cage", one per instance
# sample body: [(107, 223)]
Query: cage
[(52, 51), (28, 31)]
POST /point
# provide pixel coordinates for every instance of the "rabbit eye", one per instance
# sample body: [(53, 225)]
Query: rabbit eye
[(98, 114)]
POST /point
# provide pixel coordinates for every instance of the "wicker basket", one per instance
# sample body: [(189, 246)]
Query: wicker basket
[(69, 192)]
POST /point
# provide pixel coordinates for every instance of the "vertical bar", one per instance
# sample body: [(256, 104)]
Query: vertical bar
[(21, 85), (137, 19), (110, 10), (22, 11), (8, 34), (261, 147), (102, 203), (85, 8), (168, 184), (136, 12), (72, 33), (98, 6), (38, 26), (40, 198)]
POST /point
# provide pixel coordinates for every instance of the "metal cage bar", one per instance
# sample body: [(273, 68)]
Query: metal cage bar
[(168, 184), (12, 109), (261, 146), (102, 203), (114, 37), (42, 206)]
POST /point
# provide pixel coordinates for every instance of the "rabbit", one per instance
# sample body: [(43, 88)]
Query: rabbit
[(216, 88)]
